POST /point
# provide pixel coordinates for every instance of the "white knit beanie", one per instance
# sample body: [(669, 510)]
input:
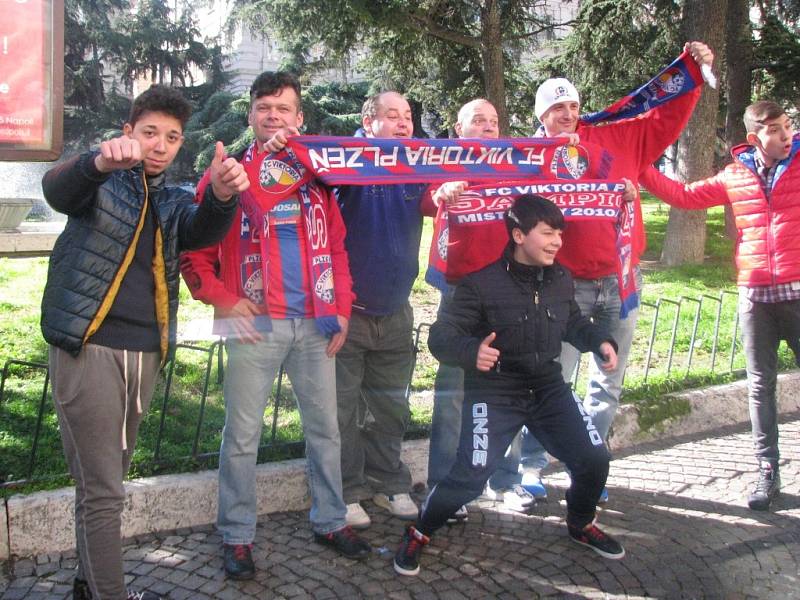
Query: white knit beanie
[(552, 92)]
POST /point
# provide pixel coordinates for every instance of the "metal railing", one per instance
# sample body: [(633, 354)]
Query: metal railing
[(661, 339)]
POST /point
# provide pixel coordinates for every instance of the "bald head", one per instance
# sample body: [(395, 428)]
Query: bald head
[(477, 119), (387, 115)]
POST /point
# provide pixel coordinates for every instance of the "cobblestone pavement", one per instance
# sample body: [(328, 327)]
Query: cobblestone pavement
[(678, 507)]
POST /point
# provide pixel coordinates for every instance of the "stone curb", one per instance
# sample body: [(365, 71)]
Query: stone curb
[(4, 546), (710, 408), (43, 522)]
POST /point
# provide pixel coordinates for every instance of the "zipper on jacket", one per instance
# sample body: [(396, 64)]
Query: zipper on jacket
[(770, 234), (116, 282)]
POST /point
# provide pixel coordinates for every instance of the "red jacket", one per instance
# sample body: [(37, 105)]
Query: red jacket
[(768, 243), (212, 273), (589, 250)]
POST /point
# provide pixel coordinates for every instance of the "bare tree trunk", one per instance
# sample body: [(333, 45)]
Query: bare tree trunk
[(739, 77), (686, 230), (492, 55), (739, 60)]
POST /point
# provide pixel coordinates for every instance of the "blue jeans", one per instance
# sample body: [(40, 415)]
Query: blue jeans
[(251, 371), (448, 400), (764, 325), (598, 299), (374, 367)]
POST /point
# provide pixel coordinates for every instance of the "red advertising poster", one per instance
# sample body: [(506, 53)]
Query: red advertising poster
[(31, 79), (22, 73)]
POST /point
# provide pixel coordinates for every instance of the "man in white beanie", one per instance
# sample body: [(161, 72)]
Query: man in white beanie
[(589, 249)]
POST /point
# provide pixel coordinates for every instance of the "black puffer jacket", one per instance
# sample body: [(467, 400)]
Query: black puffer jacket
[(531, 309), (92, 254)]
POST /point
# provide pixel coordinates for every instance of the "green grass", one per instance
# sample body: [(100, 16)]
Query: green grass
[(22, 281)]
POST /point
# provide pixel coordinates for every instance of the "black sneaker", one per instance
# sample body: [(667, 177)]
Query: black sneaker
[(767, 487), (593, 537), (406, 559), (238, 561), (142, 596), (460, 516), (80, 590), (346, 542)]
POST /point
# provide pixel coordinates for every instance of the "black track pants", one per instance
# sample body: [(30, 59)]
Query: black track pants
[(554, 416)]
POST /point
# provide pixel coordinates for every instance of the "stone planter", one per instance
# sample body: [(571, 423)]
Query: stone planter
[(13, 211)]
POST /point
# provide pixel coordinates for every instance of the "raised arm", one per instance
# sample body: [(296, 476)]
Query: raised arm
[(71, 186), (692, 196)]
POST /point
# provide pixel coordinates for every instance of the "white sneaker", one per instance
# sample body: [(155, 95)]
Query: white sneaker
[(532, 482), (515, 498), (400, 505), (459, 516), (357, 517)]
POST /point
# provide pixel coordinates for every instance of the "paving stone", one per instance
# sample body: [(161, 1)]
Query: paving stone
[(678, 507)]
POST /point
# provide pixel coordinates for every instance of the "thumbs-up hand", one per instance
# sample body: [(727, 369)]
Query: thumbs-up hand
[(487, 356), (228, 177), (120, 153)]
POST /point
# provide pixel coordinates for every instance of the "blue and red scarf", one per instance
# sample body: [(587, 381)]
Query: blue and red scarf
[(272, 179), (370, 161), (673, 81)]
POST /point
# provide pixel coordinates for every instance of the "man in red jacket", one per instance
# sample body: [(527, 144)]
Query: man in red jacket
[(590, 251), (281, 290), (762, 186)]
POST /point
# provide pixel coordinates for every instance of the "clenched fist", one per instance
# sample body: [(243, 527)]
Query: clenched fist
[(119, 153)]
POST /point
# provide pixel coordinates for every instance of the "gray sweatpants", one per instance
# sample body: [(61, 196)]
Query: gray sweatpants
[(100, 398)]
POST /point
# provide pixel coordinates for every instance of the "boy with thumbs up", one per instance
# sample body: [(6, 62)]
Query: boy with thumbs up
[(110, 305), (504, 327)]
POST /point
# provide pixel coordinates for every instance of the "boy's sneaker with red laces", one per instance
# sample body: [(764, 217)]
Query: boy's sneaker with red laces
[(238, 561), (406, 560), (593, 537), (346, 542)]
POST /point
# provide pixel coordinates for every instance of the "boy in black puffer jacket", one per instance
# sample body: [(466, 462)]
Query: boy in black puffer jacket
[(504, 328), (109, 308)]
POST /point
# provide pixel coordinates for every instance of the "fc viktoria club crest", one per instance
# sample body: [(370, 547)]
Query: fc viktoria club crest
[(252, 278), (670, 82), (276, 177), (323, 287), (569, 162), (441, 242)]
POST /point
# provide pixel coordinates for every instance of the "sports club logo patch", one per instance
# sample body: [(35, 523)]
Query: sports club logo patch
[(252, 279), (441, 242), (323, 287), (276, 177), (569, 162), (670, 82)]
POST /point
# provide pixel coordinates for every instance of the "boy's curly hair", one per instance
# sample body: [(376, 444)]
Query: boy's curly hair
[(163, 99)]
